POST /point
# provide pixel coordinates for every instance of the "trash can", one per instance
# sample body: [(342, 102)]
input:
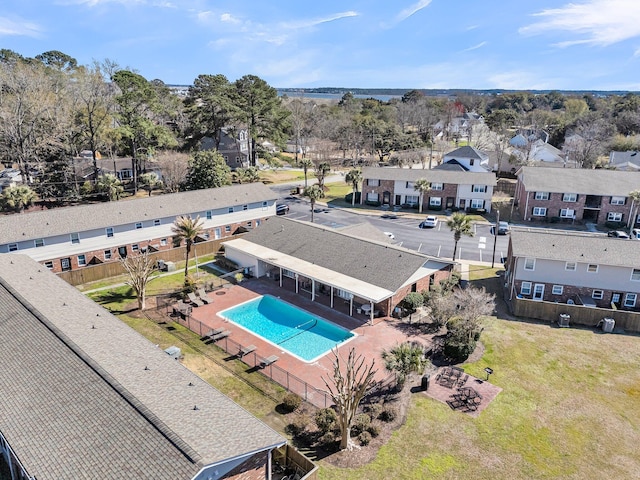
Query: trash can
[(425, 382), (299, 189)]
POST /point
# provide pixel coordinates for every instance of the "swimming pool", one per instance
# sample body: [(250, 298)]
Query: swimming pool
[(301, 333)]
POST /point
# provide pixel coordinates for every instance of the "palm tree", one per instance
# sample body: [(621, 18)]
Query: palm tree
[(187, 229), (354, 177), (635, 203), (422, 185), (18, 198), (306, 164), (109, 184), (149, 181), (460, 225), (404, 359), (314, 193), (321, 171)]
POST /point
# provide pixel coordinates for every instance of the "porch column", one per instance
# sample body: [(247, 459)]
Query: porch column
[(351, 306), (296, 279), (371, 312), (332, 296), (313, 290)]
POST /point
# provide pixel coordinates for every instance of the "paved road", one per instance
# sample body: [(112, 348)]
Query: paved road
[(437, 241)]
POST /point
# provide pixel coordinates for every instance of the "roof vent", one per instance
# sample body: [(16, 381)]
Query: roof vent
[(195, 407), (190, 384), (146, 368)]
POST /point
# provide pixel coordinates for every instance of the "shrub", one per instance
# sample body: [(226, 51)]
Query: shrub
[(328, 438), (374, 410), (326, 419), (372, 203), (364, 438), (614, 225), (388, 414), (291, 402), (554, 219), (189, 285), (226, 264), (298, 425), (360, 424), (413, 301), (374, 430), (458, 349), (349, 196)]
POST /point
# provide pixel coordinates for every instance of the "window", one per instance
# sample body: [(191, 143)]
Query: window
[(475, 203), (264, 205), (592, 268), (372, 182), (163, 242), (13, 247), (437, 186), (567, 213), (288, 273), (217, 233), (249, 224), (597, 294), (617, 200), (75, 238), (635, 275), (529, 263), (614, 217), (571, 266), (539, 212), (109, 231), (107, 254), (471, 161), (138, 225), (227, 229), (156, 222), (135, 247), (39, 242), (435, 201), (541, 196), (478, 188), (65, 264), (409, 185), (569, 197), (630, 299), (525, 288), (49, 265), (209, 214), (372, 197), (411, 199), (557, 289), (245, 207), (82, 260)]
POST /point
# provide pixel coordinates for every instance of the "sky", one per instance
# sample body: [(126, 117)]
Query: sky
[(468, 44)]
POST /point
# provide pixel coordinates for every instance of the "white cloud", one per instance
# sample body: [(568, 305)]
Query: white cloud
[(412, 9), (475, 47), (597, 22), (637, 53), (300, 24), (18, 27), (228, 18)]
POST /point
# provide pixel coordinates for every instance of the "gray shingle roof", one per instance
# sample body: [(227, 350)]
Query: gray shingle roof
[(581, 181), (59, 221), (435, 176), (467, 152), (376, 263), (622, 158), (78, 401), (575, 247)]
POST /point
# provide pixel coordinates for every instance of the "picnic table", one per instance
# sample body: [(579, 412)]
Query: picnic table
[(449, 377), (469, 397)]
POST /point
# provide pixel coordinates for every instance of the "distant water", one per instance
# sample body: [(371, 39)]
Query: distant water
[(334, 96)]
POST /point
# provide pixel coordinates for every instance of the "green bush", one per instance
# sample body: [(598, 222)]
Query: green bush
[(364, 438), (372, 203), (614, 225), (374, 410), (458, 349), (189, 285), (349, 196), (413, 301), (326, 420), (360, 424), (291, 402), (374, 430), (298, 425), (554, 219), (388, 414)]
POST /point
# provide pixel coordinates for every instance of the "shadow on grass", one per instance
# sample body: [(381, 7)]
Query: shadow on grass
[(114, 301)]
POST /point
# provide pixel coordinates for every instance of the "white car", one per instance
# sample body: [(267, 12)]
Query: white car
[(430, 222), (390, 235)]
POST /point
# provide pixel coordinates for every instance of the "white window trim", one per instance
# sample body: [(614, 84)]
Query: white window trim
[(541, 211), (541, 196), (437, 186), (568, 264), (139, 225), (597, 294), (157, 222), (614, 217), (617, 200), (84, 260), (566, 197), (75, 239), (557, 290), (109, 230), (636, 272), (568, 213), (477, 203), (35, 242), (528, 288), (628, 297), (592, 265), (526, 259), (12, 247), (435, 201)]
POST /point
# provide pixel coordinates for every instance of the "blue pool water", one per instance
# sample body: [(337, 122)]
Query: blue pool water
[(299, 332)]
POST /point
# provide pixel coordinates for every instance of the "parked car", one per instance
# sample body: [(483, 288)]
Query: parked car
[(282, 209), (635, 234), (430, 222), (503, 228), (390, 235), (618, 234)]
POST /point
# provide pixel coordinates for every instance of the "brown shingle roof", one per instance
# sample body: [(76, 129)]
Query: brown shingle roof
[(578, 180)]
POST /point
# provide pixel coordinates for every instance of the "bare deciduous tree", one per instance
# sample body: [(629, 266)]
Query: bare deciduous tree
[(139, 269), (174, 167), (347, 389)]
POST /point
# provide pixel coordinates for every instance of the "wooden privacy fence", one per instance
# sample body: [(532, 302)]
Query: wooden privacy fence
[(94, 273), (580, 315)]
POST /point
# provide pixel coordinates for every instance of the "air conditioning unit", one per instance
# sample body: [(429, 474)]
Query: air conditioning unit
[(563, 320)]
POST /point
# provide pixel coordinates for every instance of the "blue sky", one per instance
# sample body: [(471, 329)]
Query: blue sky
[(478, 44)]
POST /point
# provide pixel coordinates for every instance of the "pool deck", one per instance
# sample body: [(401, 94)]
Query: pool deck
[(370, 340)]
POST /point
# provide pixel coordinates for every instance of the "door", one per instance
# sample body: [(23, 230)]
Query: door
[(615, 299), (398, 200), (538, 291), (65, 264), (122, 251), (449, 203), (386, 198)]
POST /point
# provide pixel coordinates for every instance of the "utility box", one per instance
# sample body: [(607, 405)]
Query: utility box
[(173, 352), (563, 320), (425, 382), (169, 266), (608, 324)]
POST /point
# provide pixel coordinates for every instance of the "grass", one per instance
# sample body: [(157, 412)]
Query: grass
[(282, 176), (568, 406)]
